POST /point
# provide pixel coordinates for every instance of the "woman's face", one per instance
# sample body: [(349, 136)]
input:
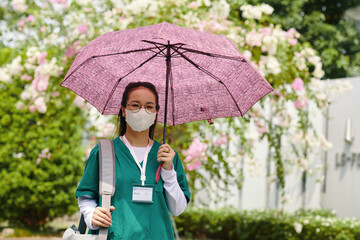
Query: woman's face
[(142, 96)]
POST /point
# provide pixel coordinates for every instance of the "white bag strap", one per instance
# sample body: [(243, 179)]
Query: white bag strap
[(106, 177)]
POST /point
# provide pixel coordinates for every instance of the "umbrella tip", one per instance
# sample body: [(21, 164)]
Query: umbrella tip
[(210, 121)]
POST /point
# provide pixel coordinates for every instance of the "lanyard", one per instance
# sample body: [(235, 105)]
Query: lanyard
[(143, 168)]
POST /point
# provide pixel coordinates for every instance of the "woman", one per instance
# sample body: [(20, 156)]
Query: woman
[(137, 159)]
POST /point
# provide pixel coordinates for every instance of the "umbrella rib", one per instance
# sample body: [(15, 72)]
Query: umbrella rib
[(211, 75), (88, 59), (131, 51), (118, 81), (177, 49), (161, 50), (215, 55)]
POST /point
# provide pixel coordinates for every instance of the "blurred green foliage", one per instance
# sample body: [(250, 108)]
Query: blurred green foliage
[(227, 223), (321, 23), (36, 189)]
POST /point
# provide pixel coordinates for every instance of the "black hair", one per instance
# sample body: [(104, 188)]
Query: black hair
[(121, 120)]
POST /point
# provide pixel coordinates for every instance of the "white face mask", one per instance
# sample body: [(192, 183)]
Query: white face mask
[(140, 120)]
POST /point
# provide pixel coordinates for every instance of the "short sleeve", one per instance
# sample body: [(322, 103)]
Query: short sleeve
[(181, 177), (89, 184)]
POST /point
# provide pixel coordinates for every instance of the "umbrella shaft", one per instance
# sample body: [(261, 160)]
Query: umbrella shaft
[(168, 70)]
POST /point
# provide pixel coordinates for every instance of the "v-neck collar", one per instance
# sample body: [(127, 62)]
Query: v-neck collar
[(125, 151)]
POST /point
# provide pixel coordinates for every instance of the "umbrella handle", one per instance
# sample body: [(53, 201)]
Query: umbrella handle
[(158, 173)]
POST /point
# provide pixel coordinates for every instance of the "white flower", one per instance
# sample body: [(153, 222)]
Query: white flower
[(314, 59), (15, 67), (83, 2), (207, 3), (279, 34), (266, 9), (256, 12), (149, 7), (251, 12), (252, 133), (316, 84), (191, 18), (298, 227), (318, 72), (19, 5), (29, 93), (270, 44), (300, 61), (19, 105), (273, 65), (18, 155), (4, 76), (106, 129), (247, 54), (308, 52), (219, 10)]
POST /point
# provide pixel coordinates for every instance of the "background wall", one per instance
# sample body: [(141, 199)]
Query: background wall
[(337, 188)]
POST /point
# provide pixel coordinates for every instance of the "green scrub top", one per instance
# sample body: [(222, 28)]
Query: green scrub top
[(133, 220)]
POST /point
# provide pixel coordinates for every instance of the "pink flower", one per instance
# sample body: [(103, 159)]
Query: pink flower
[(40, 105), (221, 141), (32, 108), (72, 49), (298, 84), (301, 103), (59, 1), (43, 29), (291, 33), (196, 151), (266, 31), (193, 5), (254, 38), (83, 28), (194, 165), (293, 42), (21, 23), (40, 82), (30, 18), (38, 160), (25, 77), (55, 94), (42, 58)]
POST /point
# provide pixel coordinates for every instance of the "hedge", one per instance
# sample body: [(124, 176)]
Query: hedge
[(227, 223)]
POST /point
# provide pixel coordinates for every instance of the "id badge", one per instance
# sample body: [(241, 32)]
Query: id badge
[(142, 194)]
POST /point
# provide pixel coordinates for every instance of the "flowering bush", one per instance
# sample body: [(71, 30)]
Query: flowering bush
[(41, 153), (283, 117), (39, 40)]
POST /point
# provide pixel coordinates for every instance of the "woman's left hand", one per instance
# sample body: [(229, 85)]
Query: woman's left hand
[(166, 155)]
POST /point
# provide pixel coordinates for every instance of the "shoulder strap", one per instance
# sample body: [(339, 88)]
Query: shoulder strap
[(106, 177)]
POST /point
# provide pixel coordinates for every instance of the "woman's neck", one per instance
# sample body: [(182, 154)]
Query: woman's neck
[(137, 139)]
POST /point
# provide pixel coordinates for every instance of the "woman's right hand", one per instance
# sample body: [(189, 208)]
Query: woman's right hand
[(102, 217)]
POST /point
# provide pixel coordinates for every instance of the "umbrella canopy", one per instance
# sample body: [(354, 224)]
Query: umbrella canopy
[(204, 74)]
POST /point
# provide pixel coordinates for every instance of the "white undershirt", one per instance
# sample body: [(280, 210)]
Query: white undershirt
[(175, 197)]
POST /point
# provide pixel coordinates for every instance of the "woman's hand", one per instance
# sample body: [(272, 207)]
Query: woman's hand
[(102, 217), (166, 155)]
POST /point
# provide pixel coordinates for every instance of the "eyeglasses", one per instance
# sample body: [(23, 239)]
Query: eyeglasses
[(135, 107)]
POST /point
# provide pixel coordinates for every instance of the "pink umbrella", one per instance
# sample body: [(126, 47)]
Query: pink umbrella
[(197, 75)]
